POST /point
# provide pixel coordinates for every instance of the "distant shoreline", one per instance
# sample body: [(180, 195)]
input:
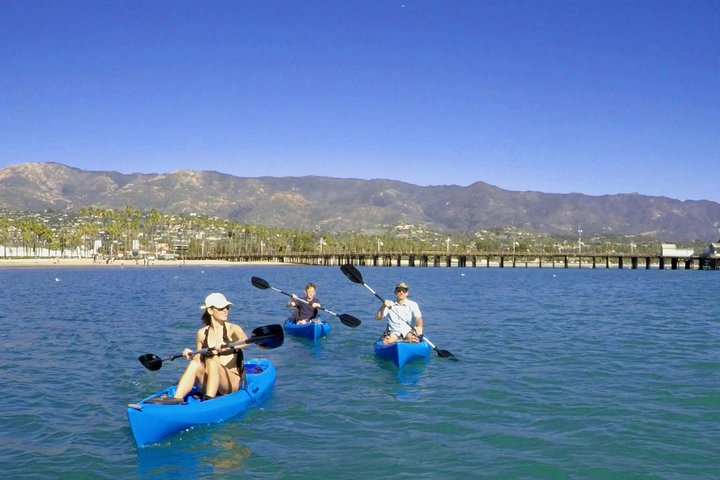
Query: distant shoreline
[(49, 263), (8, 263)]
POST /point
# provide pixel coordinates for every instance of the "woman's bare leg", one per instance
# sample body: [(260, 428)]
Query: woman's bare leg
[(193, 372), (212, 368)]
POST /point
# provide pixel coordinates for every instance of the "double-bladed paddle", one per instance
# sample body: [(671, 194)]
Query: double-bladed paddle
[(265, 337), (356, 277), (346, 319)]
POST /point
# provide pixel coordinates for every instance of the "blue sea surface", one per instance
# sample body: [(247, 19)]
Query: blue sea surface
[(562, 373)]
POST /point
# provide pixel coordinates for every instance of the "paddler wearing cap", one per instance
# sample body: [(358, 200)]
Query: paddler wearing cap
[(403, 317), (222, 371)]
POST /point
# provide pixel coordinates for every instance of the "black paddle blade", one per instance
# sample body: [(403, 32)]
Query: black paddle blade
[(352, 273), (349, 320), (259, 283), (446, 354), (151, 361), (268, 336)]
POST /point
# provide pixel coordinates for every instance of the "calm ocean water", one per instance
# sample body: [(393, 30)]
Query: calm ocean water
[(598, 374)]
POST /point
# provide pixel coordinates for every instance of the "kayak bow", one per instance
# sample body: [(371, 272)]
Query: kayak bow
[(401, 353), (156, 418), (312, 330)]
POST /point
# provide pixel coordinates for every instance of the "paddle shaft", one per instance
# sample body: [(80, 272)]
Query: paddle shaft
[(373, 292), (266, 337), (430, 343), (228, 345), (355, 276)]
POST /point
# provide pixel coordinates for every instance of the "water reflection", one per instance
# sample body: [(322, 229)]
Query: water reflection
[(315, 346), (408, 378), (194, 454)]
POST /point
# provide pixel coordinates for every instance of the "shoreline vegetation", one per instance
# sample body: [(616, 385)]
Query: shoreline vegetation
[(62, 262), (89, 262), (132, 231)]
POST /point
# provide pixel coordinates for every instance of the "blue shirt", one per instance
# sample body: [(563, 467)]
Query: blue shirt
[(401, 317)]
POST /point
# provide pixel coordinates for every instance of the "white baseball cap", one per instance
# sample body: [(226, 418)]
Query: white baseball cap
[(215, 300)]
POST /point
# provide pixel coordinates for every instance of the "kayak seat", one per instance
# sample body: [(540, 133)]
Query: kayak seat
[(165, 400), (253, 369)]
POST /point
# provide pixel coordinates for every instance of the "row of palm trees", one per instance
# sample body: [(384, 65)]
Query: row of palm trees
[(37, 238), (127, 230)]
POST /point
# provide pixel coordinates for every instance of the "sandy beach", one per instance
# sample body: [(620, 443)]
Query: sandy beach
[(89, 263)]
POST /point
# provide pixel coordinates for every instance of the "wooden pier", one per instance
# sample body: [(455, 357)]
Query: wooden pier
[(487, 260)]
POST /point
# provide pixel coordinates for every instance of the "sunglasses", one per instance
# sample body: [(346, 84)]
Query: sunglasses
[(398, 290), (226, 307)]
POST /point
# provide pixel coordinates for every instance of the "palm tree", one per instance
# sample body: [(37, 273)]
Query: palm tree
[(88, 231), (131, 224), (43, 235), (152, 220), (4, 234), (74, 240), (25, 228), (113, 231)]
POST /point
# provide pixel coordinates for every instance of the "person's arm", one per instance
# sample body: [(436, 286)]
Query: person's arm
[(198, 345), (417, 315), (291, 302), (237, 334), (199, 337), (419, 326), (383, 309)]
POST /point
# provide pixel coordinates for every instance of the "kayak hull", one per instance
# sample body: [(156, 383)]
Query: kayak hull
[(401, 353), (152, 423), (312, 331)]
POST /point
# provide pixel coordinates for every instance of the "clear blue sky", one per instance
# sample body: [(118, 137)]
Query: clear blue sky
[(595, 97)]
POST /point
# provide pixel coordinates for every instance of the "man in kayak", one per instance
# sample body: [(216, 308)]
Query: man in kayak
[(400, 316), (306, 309), (222, 371)]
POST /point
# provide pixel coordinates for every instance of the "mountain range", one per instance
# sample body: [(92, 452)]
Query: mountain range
[(354, 205)]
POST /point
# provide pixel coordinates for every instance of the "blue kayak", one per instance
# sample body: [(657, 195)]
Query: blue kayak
[(312, 331), (153, 422), (401, 353)]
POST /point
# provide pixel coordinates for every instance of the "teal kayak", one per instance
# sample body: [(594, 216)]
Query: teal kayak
[(401, 353), (154, 418), (312, 331)]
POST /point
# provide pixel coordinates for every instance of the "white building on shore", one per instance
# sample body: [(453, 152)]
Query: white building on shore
[(22, 252), (671, 250)]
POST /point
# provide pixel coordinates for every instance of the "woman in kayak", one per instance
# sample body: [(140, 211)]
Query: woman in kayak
[(400, 316), (222, 370), (306, 309)]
